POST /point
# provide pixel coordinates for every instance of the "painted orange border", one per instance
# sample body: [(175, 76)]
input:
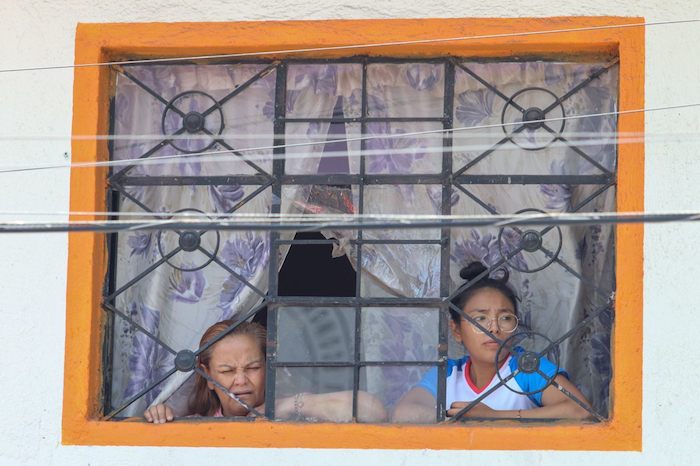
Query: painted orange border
[(87, 255)]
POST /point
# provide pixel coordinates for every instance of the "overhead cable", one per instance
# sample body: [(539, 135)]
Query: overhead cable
[(331, 141), (349, 223), (351, 47)]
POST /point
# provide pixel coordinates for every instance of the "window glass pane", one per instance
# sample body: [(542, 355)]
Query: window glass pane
[(290, 381), (320, 199), (316, 334), (394, 148), (404, 270), (403, 199), (405, 90), (304, 158), (390, 383), (313, 89), (399, 334)]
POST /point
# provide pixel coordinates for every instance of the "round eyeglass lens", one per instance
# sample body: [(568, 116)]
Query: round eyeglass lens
[(507, 322)]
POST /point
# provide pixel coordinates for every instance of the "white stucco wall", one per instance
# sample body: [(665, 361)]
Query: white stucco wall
[(33, 267)]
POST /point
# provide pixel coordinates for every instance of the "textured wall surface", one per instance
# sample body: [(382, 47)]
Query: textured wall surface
[(33, 268)]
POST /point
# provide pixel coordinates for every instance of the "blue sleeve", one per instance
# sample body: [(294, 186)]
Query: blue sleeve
[(534, 381), (429, 381)]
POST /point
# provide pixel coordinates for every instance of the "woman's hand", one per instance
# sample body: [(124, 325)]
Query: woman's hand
[(478, 410), (159, 414)]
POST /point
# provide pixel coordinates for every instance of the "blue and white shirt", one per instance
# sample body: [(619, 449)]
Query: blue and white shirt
[(461, 388)]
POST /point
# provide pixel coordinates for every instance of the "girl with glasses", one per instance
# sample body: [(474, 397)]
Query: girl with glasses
[(492, 306)]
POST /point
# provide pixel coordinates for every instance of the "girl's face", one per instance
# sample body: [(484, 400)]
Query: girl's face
[(238, 364), (488, 303)]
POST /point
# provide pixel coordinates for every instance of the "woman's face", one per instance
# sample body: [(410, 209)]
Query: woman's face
[(238, 364), (482, 348)]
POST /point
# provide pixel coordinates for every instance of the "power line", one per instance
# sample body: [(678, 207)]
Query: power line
[(350, 47), (350, 223), (332, 141)]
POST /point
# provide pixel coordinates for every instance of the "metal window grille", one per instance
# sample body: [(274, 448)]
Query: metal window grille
[(450, 177)]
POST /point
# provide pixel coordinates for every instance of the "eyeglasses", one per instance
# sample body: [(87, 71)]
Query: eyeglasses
[(506, 322)]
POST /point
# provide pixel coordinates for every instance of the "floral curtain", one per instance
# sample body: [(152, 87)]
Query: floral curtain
[(553, 300), (177, 305)]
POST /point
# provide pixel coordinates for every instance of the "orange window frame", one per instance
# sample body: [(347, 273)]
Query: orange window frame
[(93, 88)]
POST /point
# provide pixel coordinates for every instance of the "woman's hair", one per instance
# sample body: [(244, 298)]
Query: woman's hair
[(469, 273), (204, 401)]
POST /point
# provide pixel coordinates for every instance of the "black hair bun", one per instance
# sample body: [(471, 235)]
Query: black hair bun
[(475, 269), (472, 271)]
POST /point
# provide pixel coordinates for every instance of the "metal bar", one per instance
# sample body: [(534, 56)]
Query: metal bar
[(576, 328), (345, 179), (471, 320), (108, 307), (148, 89), (226, 146), (278, 166), (233, 224), (572, 396), (488, 86), (249, 197), (128, 195), (487, 207), (194, 180), (366, 120), (351, 301), (242, 88), (581, 278), (534, 179), (305, 242), (502, 382), (238, 276), (110, 279), (580, 152), (445, 237), (230, 328), (152, 151), (483, 274), (581, 85), (597, 193), (487, 152), (353, 364), (228, 393), (143, 274), (581, 205), (358, 268), (139, 395)]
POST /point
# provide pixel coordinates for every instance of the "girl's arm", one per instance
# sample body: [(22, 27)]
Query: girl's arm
[(332, 407), (555, 405), (417, 406)]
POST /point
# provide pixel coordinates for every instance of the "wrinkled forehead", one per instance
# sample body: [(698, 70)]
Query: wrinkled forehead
[(237, 350)]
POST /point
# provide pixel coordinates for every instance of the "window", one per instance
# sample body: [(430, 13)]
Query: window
[(436, 93)]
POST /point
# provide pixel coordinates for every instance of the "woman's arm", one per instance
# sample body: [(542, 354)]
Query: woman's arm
[(555, 405), (416, 406), (333, 407)]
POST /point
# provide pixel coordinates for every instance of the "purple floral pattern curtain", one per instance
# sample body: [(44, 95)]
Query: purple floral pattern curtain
[(552, 300), (178, 305)]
